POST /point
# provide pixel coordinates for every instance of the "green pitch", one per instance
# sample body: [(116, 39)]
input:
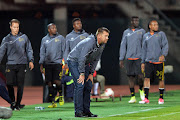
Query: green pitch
[(108, 110)]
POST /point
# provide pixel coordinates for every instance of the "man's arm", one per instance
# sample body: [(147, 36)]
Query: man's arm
[(3, 49), (29, 54), (122, 50)]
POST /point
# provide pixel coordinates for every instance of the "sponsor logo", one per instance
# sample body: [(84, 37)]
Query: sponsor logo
[(56, 40), (82, 37), (8, 70), (21, 39)]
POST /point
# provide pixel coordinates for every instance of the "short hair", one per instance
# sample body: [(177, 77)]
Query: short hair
[(150, 22), (14, 21), (50, 24), (75, 19), (134, 17), (101, 30)]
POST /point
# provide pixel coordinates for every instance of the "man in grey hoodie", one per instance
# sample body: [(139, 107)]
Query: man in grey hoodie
[(51, 55), (130, 48), (82, 61), (154, 50), (74, 37), (19, 53)]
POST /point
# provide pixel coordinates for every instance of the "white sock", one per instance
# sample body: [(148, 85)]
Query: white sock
[(96, 88)]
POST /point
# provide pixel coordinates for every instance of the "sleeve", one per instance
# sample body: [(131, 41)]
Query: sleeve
[(123, 47), (82, 57), (164, 43), (3, 49), (94, 64), (29, 51), (144, 50), (67, 50), (42, 53)]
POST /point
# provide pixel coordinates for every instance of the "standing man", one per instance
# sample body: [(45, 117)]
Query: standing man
[(82, 61), (74, 37), (19, 53), (51, 55), (155, 48), (131, 47)]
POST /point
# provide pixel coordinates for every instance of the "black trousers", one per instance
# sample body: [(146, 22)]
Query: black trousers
[(15, 72)]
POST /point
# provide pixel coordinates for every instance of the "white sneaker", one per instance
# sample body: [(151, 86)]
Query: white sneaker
[(145, 101), (142, 96), (132, 100)]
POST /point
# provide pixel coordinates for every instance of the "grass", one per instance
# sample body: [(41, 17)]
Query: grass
[(108, 110)]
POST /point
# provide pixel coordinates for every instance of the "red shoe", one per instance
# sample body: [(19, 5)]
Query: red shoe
[(145, 101), (160, 101)]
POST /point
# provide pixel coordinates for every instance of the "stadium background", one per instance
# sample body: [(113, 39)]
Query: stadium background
[(34, 16)]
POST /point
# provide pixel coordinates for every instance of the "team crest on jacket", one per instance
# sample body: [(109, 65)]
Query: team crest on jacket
[(56, 40), (47, 41), (8, 70), (21, 39), (157, 35), (147, 37), (82, 37), (139, 32)]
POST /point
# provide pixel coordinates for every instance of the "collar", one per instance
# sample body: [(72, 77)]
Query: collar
[(19, 33), (53, 36), (79, 32), (134, 28), (97, 44)]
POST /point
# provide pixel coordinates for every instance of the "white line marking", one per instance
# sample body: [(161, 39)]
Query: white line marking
[(136, 111), (159, 115)]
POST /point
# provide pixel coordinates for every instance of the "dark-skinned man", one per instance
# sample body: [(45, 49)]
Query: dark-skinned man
[(130, 49), (51, 55), (154, 50), (19, 53), (72, 39), (82, 61)]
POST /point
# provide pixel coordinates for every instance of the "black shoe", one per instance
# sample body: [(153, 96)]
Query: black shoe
[(89, 114), (17, 107), (95, 94), (21, 106), (80, 115), (12, 105)]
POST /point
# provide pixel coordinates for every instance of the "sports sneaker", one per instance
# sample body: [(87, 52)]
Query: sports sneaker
[(145, 101), (53, 105), (61, 100), (160, 101), (132, 100), (142, 96)]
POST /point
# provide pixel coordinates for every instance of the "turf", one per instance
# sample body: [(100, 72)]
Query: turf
[(108, 110)]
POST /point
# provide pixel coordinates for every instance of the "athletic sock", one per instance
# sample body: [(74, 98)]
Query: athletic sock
[(146, 90), (132, 92), (161, 90)]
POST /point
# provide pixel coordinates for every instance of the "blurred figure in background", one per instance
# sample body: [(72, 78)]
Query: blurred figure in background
[(131, 49), (155, 48)]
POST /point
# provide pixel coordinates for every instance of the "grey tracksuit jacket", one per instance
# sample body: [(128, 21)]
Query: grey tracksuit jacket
[(72, 39), (86, 52), (154, 46), (18, 48), (131, 43), (52, 49)]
